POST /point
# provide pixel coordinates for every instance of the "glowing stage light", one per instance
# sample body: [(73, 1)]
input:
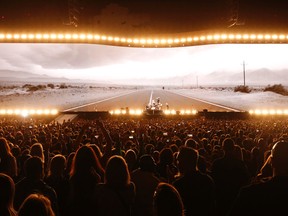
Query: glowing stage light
[(194, 112), (156, 41), (272, 112), (97, 37), (38, 36), (170, 41), (216, 37), (47, 36), (196, 39), (136, 41), (10, 112), (183, 40), (46, 112), (176, 40), (32, 112), (23, 36), (202, 38), (266, 112), (116, 39), (60, 36), (281, 37), (245, 36), (238, 36), (143, 41), (167, 112), (163, 41), (83, 36), (209, 37), (224, 37), (3, 112), (274, 37), (267, 36), (231, 36), (16, 36), (89, 36), (173, 112), (31, 36), (253, 37), (24, 113)]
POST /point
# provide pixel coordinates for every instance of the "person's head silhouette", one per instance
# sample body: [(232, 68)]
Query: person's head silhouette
[(279, 158)]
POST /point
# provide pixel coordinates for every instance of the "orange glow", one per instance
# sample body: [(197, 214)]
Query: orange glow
[(176, 40)]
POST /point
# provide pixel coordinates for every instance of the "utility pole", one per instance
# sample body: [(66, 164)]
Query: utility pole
[(244, 73)]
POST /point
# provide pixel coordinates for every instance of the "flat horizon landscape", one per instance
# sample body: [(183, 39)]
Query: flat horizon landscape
[(71, 95)]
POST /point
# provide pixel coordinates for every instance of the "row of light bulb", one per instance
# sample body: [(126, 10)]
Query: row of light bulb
[(104, 39), (26, 112)]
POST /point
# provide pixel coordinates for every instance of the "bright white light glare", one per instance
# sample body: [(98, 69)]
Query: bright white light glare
[(23, 36), (46, 36), (223, 36), (135, 112), (216, 37), (176, 41), (83, 36), (54, 112), (16, 36), (266, 112), (245, 36), (97, 37), (26, 112), (89, 36), (2, 112)]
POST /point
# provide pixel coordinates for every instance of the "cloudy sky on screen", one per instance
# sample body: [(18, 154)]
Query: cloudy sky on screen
[(100, 62)]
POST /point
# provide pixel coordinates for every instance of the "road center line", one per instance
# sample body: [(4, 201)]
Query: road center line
[(150, 100)]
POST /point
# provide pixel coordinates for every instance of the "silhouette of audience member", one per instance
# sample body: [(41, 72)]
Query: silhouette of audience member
[(36, 204), (167, 201), (7, 190), (33, 183), (146, 182), (37, 150), (8, 164), (117, 194), (69, 162), (131, 160), (270, 197), (166, 168), (195, 188), (85, 175), (229, 174), (58, 181)]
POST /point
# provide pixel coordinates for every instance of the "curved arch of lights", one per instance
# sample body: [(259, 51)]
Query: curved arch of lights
[(176, 40)]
